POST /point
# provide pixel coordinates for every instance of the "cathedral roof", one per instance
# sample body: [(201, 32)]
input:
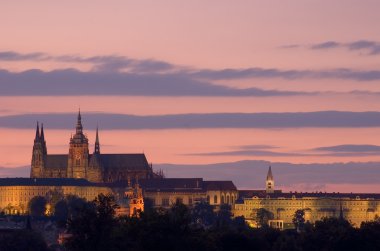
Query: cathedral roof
[(128, 161), (56, 161), (110, 162)]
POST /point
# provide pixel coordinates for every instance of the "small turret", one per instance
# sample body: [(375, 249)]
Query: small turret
[(269, 184)]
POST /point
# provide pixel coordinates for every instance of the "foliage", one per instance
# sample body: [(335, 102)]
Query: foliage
[(96, 228), (263, 216), (299, 219), (37, 206), (93, 225)]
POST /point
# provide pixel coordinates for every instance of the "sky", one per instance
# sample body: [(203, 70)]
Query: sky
[(194, 84)]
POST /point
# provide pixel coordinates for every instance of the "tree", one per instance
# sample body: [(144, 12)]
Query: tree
[(61, 210), (263, 216), (223, 216), (299, 219), (37, 206), (74, 205), (93, 226), (53, 197), (203, 214)]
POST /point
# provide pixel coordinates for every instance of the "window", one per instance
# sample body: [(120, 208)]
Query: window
[(222, 199), (179, 201), (215, 199), (228, 199), (208, 199), (190, 201)]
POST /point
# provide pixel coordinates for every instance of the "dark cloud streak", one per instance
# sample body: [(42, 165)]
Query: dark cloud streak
[(108, 121)]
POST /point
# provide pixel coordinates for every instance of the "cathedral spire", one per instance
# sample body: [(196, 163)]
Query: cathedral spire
[(79, 126), (42, 133), (37, 133), (97, 145), (42, 137)]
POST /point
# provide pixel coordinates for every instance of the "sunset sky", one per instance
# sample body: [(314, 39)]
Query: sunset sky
[(198, 83)]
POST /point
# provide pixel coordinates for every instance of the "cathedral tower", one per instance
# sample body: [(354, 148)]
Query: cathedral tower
[(78, 153), (39, 154), (269, 184)]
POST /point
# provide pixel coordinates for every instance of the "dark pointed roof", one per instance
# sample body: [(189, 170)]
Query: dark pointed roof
[(270, 175), (97, 145), (79, 126), (79, 137), (42, 133), (37, 133)]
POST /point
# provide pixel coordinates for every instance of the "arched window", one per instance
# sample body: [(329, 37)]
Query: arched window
[(215, 199), (222, 199), (208, 199), (228, 199)]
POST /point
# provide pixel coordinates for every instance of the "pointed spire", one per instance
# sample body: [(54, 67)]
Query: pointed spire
[(270, 175), (37, 132), (97, 145), (42, 132), (43, 140), (79, 126)]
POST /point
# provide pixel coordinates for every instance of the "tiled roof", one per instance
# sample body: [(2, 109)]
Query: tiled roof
[(172, 184)]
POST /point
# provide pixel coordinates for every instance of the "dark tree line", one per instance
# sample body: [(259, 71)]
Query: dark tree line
[(94, 226), (201, 228)]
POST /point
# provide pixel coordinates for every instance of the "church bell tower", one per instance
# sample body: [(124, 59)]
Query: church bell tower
[(269, 184), (78, 153)]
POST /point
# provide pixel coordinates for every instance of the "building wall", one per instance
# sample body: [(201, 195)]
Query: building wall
[(167, 199), (356, 210), (219, 197), (15, 199)]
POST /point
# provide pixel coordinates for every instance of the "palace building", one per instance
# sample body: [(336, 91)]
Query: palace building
[(354, 207), (80, 164)]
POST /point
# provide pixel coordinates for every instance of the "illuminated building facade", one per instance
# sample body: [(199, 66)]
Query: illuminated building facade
[(356, 208)]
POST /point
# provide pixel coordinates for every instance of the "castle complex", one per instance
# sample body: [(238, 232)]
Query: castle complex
[(132, 181), (79, 163)]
